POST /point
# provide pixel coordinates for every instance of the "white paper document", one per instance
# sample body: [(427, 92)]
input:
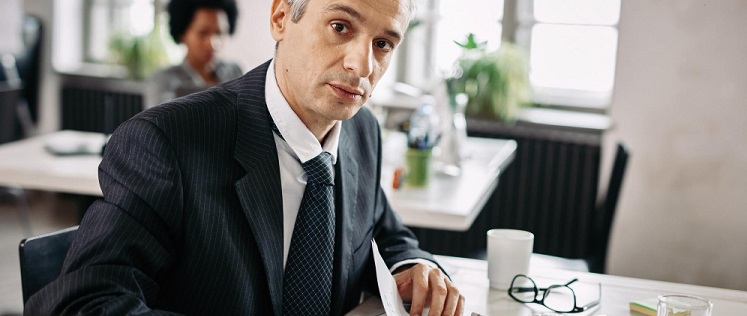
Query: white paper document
[(390, 298)]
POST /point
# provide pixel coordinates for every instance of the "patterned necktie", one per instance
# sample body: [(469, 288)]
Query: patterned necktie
[(307, 283)]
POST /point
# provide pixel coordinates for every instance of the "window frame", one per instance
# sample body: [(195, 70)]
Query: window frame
[(517, 22)]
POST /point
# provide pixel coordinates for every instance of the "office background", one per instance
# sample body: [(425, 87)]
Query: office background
[(679, 104)]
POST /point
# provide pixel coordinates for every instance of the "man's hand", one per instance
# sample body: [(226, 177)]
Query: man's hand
[(423, 286)]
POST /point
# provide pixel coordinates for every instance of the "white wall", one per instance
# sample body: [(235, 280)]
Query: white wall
[(680, 103)]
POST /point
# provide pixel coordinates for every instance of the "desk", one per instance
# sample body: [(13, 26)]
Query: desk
[(471, 277), (27, 164), (448, 203)]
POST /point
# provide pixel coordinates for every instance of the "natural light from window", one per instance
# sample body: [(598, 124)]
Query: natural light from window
[(573, 48), (593, 12), (571, 44), (141, 17), (573, 57), (459, 18)]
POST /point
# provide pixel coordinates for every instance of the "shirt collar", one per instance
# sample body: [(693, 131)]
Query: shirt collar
[(296, 134)]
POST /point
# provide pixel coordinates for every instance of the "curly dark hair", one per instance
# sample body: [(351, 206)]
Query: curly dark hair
[(181, 13)]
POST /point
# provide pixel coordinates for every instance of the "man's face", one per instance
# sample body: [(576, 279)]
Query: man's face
[(329, 61), (204, 35)]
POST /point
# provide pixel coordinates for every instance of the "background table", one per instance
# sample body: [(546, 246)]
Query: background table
[(28, 164), (448, 203)]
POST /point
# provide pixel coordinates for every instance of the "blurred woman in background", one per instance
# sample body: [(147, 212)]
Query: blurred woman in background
[(202, 26)]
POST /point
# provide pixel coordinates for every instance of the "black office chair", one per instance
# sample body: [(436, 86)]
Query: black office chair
[(604, 215), (605, 212), (19, 101), (9, 132), (9, 98), (20, 107), (41, 259), (29, 64)]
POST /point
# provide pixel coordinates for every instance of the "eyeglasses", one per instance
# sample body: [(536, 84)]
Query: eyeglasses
[(558, 298)]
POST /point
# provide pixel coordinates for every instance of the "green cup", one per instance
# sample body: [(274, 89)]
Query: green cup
[(418, 167)]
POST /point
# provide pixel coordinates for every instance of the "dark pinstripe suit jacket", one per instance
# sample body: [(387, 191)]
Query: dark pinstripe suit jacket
[(192, 222)]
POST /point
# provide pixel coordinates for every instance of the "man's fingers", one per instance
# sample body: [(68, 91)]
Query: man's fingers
[(403, 280), (452, 300), (460, 306), (439, 292), (425, 286), (419, 289)]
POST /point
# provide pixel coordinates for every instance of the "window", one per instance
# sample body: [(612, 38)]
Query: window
[(459, 18), (572, 49), (104, 18), (571, 44), (86, 29)]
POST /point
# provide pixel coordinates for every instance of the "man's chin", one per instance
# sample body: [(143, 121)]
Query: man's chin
[(349, 113)]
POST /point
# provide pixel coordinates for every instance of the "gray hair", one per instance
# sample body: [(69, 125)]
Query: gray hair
[(298, 7)]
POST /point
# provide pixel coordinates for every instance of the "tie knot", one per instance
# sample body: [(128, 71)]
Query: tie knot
[(319, 169)]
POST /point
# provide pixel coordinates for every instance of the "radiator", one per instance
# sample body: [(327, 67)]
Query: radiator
[(97, 110), (550, 189)]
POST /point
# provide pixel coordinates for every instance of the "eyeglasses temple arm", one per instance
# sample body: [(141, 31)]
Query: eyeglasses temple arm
[(591, 304), (586, 307), (571, 282), (567, 284), (523, 289)]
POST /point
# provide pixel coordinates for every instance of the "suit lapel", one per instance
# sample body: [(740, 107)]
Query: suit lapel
[(347, 179), (259, 190)]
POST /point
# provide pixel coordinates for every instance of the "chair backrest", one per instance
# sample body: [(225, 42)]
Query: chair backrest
[(605, 211), (29, 63), (8, 104), (41, 259)]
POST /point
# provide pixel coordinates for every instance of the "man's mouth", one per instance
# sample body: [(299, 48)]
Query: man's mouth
[(347, 92)]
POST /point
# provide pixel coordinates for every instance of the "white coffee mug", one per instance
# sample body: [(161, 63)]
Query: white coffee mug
[(509, 252)]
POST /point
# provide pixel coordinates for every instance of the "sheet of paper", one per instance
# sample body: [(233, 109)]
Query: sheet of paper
[(387, 288)]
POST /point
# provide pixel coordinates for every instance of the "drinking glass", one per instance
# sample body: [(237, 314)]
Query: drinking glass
[(682, 305)]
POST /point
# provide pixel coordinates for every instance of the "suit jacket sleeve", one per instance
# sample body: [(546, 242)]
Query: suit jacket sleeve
[(396, 242), (126, 241)]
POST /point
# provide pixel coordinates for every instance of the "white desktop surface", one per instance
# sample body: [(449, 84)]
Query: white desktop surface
[(617, 292), (26, 163), (448, 202), (470, 276)]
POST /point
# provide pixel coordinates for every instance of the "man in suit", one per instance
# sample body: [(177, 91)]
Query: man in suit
[(203, 195)]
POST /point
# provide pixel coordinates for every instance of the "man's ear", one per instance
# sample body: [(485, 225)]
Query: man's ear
[(278, 15)]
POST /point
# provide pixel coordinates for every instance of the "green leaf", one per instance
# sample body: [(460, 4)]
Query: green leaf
[(496, 82), (471, 43)]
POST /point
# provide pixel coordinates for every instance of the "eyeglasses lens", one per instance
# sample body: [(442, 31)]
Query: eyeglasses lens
[(560, 298), (523, 289)]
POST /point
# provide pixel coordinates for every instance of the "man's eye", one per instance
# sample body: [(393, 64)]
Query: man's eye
[(385, 45), (339, 27)]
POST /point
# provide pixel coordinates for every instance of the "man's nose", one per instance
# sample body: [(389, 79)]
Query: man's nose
[(360, 58)]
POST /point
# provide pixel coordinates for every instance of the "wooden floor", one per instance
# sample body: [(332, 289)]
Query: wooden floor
[(47, 212)]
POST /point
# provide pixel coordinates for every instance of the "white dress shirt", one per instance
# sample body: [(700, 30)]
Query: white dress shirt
[(297, 146)]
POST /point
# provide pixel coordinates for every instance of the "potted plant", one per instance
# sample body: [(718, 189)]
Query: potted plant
[(141, 54), (496, 82)]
